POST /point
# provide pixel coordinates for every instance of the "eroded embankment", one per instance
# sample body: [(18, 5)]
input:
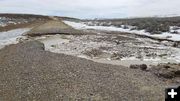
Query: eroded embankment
[(53, 27)]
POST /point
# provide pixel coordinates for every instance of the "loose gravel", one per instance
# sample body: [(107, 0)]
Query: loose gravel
[(29, 73)]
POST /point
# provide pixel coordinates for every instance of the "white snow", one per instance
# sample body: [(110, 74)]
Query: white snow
[(76, 25), (5, 21), (2, 24), (166, 35), (174, 29), (10, 37), (2, 18)]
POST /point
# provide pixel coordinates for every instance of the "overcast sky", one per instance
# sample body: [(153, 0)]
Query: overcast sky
[(93, 8)]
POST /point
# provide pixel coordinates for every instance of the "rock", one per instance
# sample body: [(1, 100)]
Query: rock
[(117, 42), (176, 44), (166, 74), (93, 52), (115, 56), (142, 66), (20, 40), (168, 36), (166, 66), (177, 73), (134, 67), (167, 71)]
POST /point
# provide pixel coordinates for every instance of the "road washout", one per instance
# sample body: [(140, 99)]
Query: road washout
[(104, 49), (36, 74)]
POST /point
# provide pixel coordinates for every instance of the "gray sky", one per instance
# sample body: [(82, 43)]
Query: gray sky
[(93, 8)]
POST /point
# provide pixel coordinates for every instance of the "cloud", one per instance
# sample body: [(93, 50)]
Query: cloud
[(92, 8)]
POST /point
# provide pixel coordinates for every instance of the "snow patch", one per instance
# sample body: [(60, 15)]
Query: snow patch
[(165, 35), (10, 37), (5, 21)]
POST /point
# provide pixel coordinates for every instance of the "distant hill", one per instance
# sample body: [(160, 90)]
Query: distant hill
[(68, 18), (12, 21), (150, 24), (27, 16), (23, 16)]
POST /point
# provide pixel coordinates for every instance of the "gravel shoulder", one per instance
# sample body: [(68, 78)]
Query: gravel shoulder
[(28, 72)]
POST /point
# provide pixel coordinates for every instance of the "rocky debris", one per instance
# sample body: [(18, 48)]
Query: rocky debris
[(126, 48), (22, 39), (134, 66), (142, 67), (117, 42), (176, 44), (93, 52), (115, 56), (167, 71)]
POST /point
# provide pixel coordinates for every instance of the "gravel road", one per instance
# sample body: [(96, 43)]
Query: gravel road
[(29, 73), (53, 27)]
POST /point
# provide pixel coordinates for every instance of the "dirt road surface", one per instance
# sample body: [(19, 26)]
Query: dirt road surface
[(53, 27)]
